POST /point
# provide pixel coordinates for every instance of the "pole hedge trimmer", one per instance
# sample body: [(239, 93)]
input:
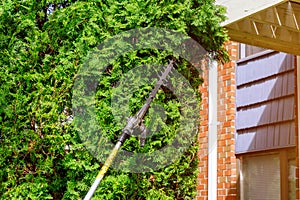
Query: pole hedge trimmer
[(134, 124)]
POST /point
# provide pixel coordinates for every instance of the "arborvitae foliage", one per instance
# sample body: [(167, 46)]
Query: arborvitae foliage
[(42, 46)]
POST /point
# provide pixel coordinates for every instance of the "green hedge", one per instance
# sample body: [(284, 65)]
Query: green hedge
[(42, 46)]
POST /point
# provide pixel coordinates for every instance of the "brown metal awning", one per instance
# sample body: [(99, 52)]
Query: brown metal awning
[(272, 24)]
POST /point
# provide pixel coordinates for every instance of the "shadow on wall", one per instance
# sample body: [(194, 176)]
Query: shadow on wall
[(265, 117), (265, 103)]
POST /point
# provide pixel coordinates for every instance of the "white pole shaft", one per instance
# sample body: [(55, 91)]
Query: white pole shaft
[(103, 170)]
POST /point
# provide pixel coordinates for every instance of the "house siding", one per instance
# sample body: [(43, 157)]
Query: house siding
[(265, 103), (274, 90)]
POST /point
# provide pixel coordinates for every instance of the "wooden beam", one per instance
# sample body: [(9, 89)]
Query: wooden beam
[(253, 18), (296, 1), (264, 42)]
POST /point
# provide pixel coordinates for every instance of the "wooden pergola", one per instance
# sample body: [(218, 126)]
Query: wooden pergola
[(271, 24)]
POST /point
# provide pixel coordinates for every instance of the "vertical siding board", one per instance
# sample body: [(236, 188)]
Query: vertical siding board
[(239, 142), (274, 106), (252, 117), (266, 88), (276, 135), (288, 105), (238, 102), (245, 141), (270, 139), (261, 138), (292, 133), (278, 87), (240, 76), (262, 89), (290, 83), (284, 135), (284, 84), (255, 95), (238, 120), (261, 116), (253, 139), (274, 85), (280, 110), (265, 102), (268, 113), (289, 62), (258, 139), (243, 96), (282, 62)]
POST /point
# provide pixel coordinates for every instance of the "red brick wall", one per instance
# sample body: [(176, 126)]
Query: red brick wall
[(202, 184), (227, 163), (227, 167)]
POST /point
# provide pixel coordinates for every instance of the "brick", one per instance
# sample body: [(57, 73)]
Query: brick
[(227, 173), (200, 187)]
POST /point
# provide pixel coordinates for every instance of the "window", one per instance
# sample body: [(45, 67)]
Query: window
[(268, 176), (248, 50)]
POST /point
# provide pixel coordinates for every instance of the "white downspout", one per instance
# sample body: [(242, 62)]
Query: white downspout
[(212, 129)]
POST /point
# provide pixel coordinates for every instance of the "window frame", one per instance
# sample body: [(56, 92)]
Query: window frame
[(283, 155)]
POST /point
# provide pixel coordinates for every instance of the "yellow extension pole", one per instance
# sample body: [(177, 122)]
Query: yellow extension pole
[(103, 170), (133, 123)]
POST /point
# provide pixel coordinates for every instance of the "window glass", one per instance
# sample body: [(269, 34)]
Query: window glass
[(248, 50), (261, 177), (292, 179)]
